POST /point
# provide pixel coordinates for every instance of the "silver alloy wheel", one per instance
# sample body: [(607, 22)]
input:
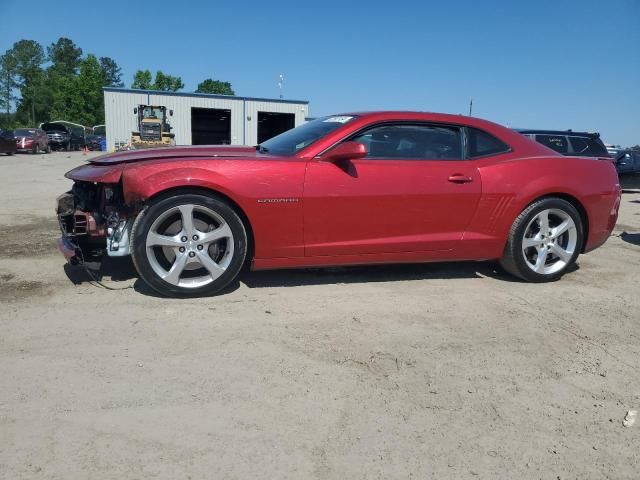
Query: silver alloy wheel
[(189, 246), (549, 241)]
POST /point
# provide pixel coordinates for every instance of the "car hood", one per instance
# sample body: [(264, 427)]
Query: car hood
[(173, 152)]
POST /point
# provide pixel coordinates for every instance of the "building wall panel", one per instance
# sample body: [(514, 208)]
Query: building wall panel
[(253, 107), (120, 120)]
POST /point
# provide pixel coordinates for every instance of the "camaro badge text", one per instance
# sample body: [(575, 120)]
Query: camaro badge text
[(278, 200)]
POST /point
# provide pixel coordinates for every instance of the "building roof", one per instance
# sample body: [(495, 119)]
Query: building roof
[(201, 95)]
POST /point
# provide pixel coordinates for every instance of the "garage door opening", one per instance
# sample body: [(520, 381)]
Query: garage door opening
[(210, 126), (271, 124)]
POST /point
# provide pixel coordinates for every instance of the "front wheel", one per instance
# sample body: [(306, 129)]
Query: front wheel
[(544, 242), (188, 245)]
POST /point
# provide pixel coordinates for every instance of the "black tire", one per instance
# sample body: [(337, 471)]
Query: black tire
[(47, 149), (145, 220), (514, 260), (68, 147), (34, 150), (9, 154)]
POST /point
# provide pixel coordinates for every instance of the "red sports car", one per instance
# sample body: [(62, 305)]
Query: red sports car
[(357, 188)]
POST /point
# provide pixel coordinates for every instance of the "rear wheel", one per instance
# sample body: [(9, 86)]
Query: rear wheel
[(188, 245), (544, 242)]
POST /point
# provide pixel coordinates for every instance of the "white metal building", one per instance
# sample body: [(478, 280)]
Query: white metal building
[(203, 119)]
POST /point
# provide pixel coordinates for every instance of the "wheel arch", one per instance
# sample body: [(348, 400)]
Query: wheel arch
[(199, 190)]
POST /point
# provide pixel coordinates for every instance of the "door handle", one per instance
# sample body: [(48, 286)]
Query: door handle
[(459, 178)]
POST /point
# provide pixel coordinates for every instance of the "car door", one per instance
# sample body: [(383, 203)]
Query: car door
[(413, 192)]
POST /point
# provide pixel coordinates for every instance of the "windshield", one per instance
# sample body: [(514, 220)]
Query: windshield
[(152, 113), (53, 127), (292, 141), (24, 133), (99, 130)]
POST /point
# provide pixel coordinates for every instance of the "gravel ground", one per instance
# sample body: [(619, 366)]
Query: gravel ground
[(418, 371)]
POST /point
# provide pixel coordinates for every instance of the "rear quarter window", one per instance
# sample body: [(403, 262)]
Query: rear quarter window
[(588, 146), (481, 144), (554, 142)]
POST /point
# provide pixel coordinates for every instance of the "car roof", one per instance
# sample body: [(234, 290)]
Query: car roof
[(557, 132), (520, 143), (408, 115)]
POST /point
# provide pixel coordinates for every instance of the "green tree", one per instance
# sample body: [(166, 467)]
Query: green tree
[(90, 83), (167, 83), (65, 102), (29, 56), (69, 89), (8, 83), (65, 56), (142, 80), (215, 86), (111, 73), (635, 147), (79, 98)]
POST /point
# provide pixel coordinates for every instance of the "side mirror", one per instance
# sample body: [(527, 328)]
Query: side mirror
[(345, 151), (171, 113), (135, 111)]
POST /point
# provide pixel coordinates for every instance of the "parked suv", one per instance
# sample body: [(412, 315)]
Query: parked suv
[(568, 142), (628, 161), (7, 142), (94, 142), (62, 137), (32, 140)]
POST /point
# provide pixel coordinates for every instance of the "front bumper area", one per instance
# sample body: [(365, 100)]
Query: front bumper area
[(81, 237), (69, 250), (88, 235)]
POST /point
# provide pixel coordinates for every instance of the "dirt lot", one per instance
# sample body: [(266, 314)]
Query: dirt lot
[(422, 371)]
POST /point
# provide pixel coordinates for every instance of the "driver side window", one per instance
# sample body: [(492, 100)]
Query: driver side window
[(412, 142)]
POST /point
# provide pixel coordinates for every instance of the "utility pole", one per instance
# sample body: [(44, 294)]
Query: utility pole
[(470, 106), (280, 83)]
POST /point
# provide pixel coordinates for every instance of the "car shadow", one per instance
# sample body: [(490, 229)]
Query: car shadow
[(115, 270), (373, 274), (632, 238)]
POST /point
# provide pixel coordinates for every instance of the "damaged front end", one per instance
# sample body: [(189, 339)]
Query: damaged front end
[(93, 220)]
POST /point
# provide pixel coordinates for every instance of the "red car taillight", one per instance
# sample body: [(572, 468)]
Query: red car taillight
[(613, 215)]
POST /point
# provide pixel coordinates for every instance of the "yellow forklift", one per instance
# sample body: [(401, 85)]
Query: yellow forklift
[(153, 128)]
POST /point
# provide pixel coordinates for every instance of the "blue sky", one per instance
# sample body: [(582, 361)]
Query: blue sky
[(543, 64)]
